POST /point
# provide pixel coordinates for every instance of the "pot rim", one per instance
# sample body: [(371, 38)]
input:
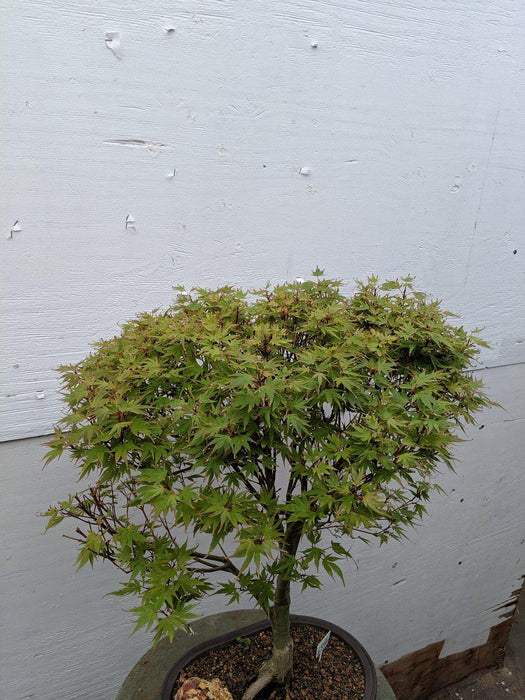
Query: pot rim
[(224, 639)]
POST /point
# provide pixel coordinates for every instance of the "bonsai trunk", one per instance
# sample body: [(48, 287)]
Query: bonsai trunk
[(279, 667)]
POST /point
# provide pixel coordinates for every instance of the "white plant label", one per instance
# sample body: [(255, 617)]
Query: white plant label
[(322, 646)]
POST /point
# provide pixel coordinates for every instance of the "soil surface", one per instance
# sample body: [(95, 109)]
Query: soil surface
[(338, 676)]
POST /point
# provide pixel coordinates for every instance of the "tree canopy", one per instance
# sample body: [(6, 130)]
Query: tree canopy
[(236, 437)]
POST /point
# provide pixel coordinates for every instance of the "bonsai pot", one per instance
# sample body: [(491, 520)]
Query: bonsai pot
[(155, 676)]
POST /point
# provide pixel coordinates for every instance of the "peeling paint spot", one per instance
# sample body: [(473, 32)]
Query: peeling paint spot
[(305, 170), (130, 223), (397, 583), (508, 604), (15, 228), (39, 395), (151, 146), (222, 150), (314, 44), (171, 174), (394, 565), (113, 42), (169, 30), (457, 185)]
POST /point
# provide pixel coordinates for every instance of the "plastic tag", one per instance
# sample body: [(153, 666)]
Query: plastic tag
[(322, 646)]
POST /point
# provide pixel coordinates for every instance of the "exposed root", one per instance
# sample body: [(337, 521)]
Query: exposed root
[(264, 678), (278, 668)]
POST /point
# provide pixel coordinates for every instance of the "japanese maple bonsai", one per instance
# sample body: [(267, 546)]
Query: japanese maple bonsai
[(235, 441)]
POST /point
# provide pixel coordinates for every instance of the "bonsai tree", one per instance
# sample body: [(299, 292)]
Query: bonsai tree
[(234, 442)]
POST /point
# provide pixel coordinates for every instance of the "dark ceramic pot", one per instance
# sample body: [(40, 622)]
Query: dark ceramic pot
[(218, 642), (155, 674)]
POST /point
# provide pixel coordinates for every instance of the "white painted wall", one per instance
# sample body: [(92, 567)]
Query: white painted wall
[(409, 116), (62, 640)]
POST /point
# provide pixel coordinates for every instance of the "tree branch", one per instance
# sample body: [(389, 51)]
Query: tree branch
[(225, 562)]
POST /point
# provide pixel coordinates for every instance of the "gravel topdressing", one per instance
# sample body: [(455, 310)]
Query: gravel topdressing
[(338, 676)]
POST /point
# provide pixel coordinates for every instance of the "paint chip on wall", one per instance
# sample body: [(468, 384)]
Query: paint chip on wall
[(113, 42), (153, 147), (15, 228), (456, 185), (130, 223)]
